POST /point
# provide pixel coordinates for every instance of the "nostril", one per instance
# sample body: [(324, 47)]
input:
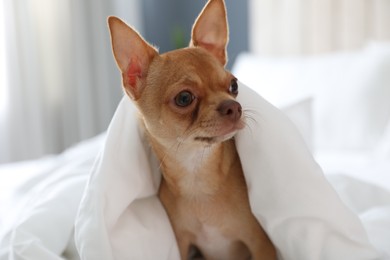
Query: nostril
[(231, 109)]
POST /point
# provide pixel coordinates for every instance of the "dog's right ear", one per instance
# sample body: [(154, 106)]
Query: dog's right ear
[(132, 54), (211, 31)]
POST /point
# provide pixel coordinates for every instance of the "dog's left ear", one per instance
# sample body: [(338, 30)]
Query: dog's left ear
[(210, 30)]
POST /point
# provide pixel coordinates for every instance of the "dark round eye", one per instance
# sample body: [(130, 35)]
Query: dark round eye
[(233, 89), (184, 99)]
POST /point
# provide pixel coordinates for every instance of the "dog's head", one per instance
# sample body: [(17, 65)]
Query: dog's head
[(185, 95)]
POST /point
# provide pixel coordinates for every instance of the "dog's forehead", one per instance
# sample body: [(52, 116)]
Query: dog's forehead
[(195, 61)]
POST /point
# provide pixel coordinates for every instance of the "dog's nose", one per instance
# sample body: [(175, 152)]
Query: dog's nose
[(231, 109)]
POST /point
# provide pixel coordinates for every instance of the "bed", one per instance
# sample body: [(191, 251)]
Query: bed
[(344, 121), (351, 144)]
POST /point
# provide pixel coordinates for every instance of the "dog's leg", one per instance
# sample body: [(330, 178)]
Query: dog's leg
[(185, 245), (261, 248)]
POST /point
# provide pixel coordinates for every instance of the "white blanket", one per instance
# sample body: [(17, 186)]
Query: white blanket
[(120, 216), (39, 201)]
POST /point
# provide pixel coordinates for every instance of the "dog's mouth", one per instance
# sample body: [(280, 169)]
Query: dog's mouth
[(214, 139), (219, 132), (204, 139)]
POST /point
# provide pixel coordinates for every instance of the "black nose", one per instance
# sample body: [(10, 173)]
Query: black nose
[(231, 109)]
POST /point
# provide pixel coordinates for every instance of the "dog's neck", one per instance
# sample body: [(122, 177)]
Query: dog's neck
[(194, 170)]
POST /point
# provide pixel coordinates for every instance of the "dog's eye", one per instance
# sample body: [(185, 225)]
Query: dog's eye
[(184, 99), (233, 89)]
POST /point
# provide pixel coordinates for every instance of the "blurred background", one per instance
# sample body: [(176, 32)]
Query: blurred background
[(59, 83)]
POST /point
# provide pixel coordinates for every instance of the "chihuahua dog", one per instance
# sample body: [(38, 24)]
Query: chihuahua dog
[(187, 106)]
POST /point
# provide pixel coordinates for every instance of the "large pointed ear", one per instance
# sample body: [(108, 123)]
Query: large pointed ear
[(210, 30), (132, 54)]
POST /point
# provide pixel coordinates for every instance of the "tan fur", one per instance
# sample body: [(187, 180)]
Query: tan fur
[(203, 188)]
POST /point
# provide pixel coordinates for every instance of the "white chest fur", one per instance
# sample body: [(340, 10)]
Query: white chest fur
[(193, 158), (192, 162)]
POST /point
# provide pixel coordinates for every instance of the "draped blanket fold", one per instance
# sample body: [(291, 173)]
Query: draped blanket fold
[(121, 217)]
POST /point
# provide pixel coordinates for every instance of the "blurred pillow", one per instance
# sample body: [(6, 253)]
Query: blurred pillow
[(264, 76), (351, 91), (300, 113), (383, 149)]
